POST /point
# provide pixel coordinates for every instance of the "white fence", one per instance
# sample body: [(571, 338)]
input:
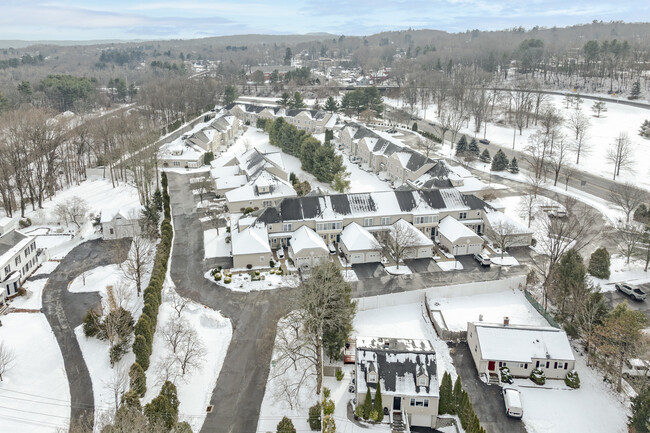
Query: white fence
[(449, 291)]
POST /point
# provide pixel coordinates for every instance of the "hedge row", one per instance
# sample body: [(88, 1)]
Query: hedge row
[(146, 325)]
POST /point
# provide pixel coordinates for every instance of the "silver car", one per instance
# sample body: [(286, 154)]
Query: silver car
[(632, 291)]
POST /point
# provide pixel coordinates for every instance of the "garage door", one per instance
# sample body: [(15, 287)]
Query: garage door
[(421, 420), (356, 258), (475, 248), (373, 257), (303, 261), (460, 250)]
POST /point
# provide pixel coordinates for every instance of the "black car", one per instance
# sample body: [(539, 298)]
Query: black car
[(484, 141)]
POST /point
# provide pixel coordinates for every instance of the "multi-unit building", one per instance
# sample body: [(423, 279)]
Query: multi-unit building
[(18, 260), (405, 370), (117, 223), (520, 348), (314, 121)]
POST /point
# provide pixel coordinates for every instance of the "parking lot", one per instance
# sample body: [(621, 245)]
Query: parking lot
[(615, 297)]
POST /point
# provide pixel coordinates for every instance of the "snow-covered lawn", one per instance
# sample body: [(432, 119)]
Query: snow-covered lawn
[(361, 180), (349, 275), (97, 279), (402, 270), (35, 390), (243, 283), (457, 311), (505, 261), (621, 272), (593, 408), (450, 265), (214, 243), (195, 388), (33, 296)]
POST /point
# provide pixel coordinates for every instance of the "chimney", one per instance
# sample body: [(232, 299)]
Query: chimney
[(506, 321), (480, 317)]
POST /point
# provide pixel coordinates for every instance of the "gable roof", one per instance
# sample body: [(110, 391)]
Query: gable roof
[(453, 229), (306, 238), (356, 238), (11, 242), (416, 237), (277, 187), (252, 240), (128, 213)]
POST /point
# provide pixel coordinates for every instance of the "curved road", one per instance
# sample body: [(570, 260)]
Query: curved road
[(65, 311)]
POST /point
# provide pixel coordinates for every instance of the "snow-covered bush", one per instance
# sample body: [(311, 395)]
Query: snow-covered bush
[(538, 376), (506, 376), (572, 379), (227, 280), (217, 276)]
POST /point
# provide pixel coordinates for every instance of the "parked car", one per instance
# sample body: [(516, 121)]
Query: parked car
[(281, 253), (332, 248), (512, 401), (636, 367), (483, 259), (391, 131), (632, 291), (354, 159), (484, 141)]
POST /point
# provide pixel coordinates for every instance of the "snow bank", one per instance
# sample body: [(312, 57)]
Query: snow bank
[(622, 272), (450, 265)]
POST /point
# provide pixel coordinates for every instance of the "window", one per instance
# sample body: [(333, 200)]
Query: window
[(287, 227), (426, 219), (270, 228), (26, 252), (368, 222), (526, 366), (328, 226), (384, 221), (275, 241), (111, 231), (267, 203), (262, 259), (566, 365), (422, 381), (7, 269), (537, 364), (422, 402), (462, 215), (17, 260), (548, 364), (177, 163), (555, 365), (372, 378)]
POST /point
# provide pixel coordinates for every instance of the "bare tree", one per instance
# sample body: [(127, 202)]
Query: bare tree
[(628, 197), (118, 384), (203, 186), (557, 159), (628, 237), (620, 154), (140, 257), (72, 210), (579, 124), (429, 146), (191, 353), (179, 303), (398, 241), (175, 332), (503, 234), (7, 359)]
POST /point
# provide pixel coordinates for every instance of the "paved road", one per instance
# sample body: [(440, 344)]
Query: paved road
[(486, 399), (65, 311), (239, 390)]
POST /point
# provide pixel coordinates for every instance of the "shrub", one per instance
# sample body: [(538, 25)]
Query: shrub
[(339, 375), (279, 271), (538, 376), (91, 323), (257, 272), (249, 266), (328, 407), (21, 291), (117, 351), (285, 426), (378, 405), (144, 328), (572, 379), (271, 264), (505, 375), (142, 351), (314, 417), (367, 405), (533, 242), (445, 404), (138, 379), (227, 280), (358, 411), (599, 264), (373, 415), (326, 392), (217, 276), (24, 223)]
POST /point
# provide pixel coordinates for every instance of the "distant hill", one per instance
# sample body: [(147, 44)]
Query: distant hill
[(24, 44)]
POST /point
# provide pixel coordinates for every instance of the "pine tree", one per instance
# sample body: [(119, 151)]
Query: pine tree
[(331, 105), (461, 146), (457, 394), (285, 426), (164, 408), (378, 405), (636, 90), (514, 166), (367, 405), (485, 156), (138, 379), (500, 161), (465, 410), (142, 351), (446, 394), (473, 148), (414, 127), (641, 411), (599, 263), (599, 107)]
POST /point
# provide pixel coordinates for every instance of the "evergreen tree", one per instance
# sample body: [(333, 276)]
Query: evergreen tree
[(414, 127), (464, 410), (138, 379), (457, 394), (164, 408), (514, 166), (91, 323), (288, 56), (378, 405), (500, 161), (142, 351), (446, 395), (473, 148), (485, 156), (331, 105), (461, 146), (284, 99), (599, 107), (636, 90), (367, 405), (229, 95), (297, 101), (285, 426), (640, 412), (599, 263)]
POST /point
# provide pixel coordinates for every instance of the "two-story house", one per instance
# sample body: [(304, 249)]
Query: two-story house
[(18, 260)]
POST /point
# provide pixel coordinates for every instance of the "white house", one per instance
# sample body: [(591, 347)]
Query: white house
[(18, 259), (359, 245), (265, 190), (499, 224), (306, 247), (8, 224), (457, 238), (406, 371), (520, 348), (117, 223), (250, 246)]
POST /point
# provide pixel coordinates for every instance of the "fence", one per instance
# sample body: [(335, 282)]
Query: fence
[(439, 324), (540, 309)]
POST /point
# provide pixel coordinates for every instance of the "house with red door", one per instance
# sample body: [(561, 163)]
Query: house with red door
[(521, 348)]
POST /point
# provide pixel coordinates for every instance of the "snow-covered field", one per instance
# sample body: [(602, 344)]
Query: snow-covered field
[(34, 392), (601, 134), (457, 311)]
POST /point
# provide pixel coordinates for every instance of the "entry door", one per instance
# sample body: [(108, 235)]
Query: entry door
[(397, 403), (491, 365)]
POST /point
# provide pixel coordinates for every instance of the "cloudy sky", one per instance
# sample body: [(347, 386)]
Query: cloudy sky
[(165, 19)]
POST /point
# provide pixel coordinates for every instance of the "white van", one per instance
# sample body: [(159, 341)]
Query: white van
[(512, 400)]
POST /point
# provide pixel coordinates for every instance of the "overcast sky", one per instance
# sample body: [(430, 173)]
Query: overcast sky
[(164, 19)]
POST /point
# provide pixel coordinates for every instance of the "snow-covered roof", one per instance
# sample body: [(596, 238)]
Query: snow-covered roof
[(11, 243), (452, 229), (231, 182), (252, 240), (415, 236), (522, 343), (306, 238), (472, 184), (356, 238), (398, 364), (496, 219), (225, 171), (277, 188), (129, 212)]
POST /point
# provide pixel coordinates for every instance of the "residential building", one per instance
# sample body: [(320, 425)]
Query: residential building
[(457, 238), (18, 260), (265, 190), (306, 248), (518, 234), (178, 154), (250, 246), (520, 348), (117, 223), (313, 121), (359, 245), (405, 369), (8, 224), (418, 245)]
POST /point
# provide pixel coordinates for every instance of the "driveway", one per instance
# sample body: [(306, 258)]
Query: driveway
[(239, 390), (65, 311), (486, 399), (368, 270), (422, 265), (615, 297)]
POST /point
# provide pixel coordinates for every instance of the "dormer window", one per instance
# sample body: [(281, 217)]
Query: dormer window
[(422, 381), (372, 378)]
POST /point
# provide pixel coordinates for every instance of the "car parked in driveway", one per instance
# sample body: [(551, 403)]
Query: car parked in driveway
[(630, 290), (512, 401), (483, 259), (636, 367), (281, 253)]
